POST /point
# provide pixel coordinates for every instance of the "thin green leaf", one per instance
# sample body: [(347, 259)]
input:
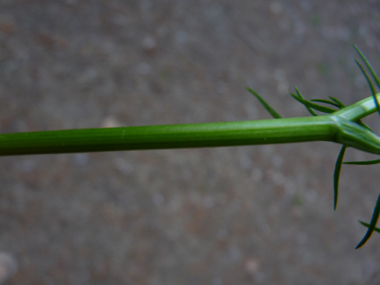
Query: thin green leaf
[(372, 224), (359, 122), (313, 105), (338, 167), (311, 111), (341, 105), (265, 104), (366, 162), (370, 86), (373, 72), (366, 77), (326, 102), (367, 225)]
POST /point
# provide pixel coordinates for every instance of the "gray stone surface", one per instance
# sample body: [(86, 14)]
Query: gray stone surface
[(240, 215)]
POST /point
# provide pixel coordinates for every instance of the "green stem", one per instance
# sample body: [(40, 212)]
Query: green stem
[(337, 127), (358, 110), (170, 136)]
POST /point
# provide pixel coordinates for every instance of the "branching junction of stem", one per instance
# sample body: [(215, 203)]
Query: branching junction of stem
[(341, 125)]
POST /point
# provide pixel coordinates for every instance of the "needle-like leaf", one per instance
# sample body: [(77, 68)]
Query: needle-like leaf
[(371, 87), (366, 162), (360, 123), (265, 104), (373, 72), (372, 224), (311, 111), (367, 225), (313, 105), (338, 167), (341, 105), (326, 102)]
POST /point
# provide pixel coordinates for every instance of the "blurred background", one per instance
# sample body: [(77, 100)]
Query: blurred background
[(238, 215)]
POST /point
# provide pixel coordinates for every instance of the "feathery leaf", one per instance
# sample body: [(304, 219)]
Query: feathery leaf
[(369, 66), (341, 105), (338, 167), (265, 104), (313, 105), (326, 102), (372, 224), (371, 87), (311, 111), (360, 123), (366, 162), (367, 225)]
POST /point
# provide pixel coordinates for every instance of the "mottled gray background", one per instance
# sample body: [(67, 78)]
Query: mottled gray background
[(239, 215)]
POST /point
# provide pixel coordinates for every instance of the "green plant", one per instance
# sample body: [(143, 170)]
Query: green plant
[(342, 125)]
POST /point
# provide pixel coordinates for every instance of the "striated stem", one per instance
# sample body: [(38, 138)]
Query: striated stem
[(337, 127), (290, 130), (359, 109)]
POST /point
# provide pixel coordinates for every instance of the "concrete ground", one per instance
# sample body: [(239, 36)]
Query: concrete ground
[(239, 215)]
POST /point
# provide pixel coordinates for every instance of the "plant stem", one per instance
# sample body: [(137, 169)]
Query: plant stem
[(170, 136), (336, 127), (358, 110)]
